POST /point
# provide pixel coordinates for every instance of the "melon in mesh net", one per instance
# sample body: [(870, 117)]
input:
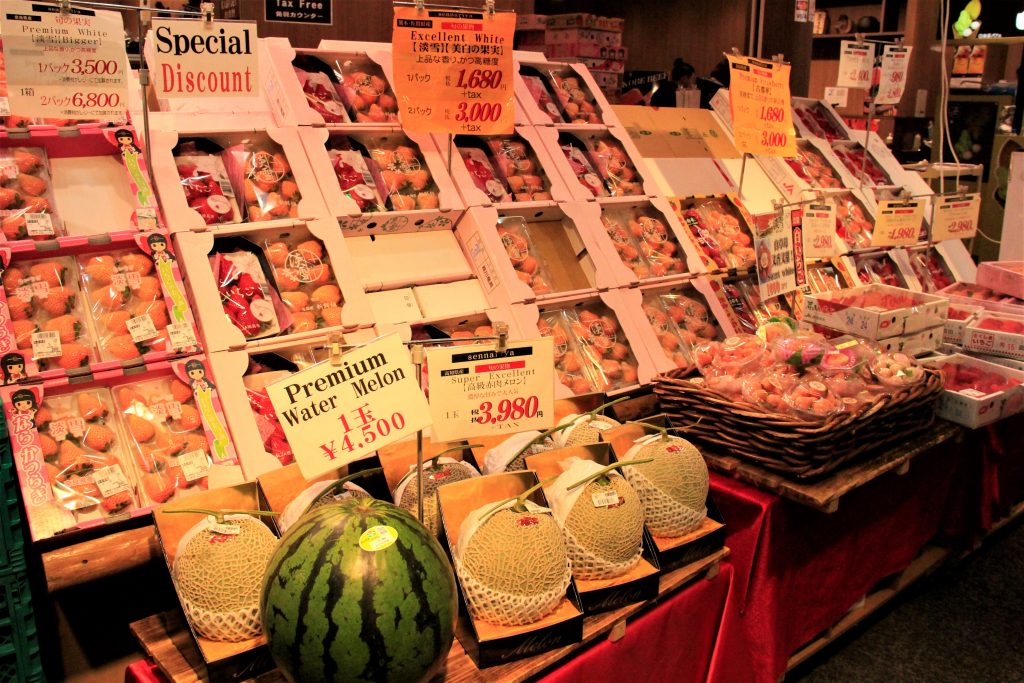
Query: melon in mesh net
[(673, 487), (512, 564), (586, 429), (311, 499), (603, 540), (219, 577), (436, 474), (509, 456)]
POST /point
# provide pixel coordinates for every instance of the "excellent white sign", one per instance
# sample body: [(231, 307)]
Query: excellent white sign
[(196, 59)]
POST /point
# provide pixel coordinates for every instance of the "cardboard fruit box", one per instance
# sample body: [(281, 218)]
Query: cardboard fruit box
[(338, 83), (92, 305), (251, 283), (889, 267), (959, 317), (406, 259), (816, 167), (598, 345), (505, 171), (818, 119), (527, 255), (599, 163), (876, 311), (241, 375), (719, 228), (381, 180), (489, 644), (977, 392), (1005, 277), (212, 178), (111, 448), (422, 304), (975, 295), (998, 334)]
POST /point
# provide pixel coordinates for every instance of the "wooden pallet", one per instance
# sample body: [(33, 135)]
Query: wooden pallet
[(824, 494), (166, 639)]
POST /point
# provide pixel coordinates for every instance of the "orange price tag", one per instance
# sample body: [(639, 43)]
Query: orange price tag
[(762, 120), (453, 70)]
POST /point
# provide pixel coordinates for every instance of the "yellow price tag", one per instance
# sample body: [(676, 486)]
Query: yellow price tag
[(762, 120)]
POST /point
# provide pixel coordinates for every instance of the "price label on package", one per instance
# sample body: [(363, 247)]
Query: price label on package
[(476, 390), (819, 231), (39, 225), (898, 223), (110, 480), (194, 464), (453, 70), (856, 60), (335, 413), (141, 328), (181, 335), (46, 345), (892, 80), (762, 119), (64, 65), (956, 217)]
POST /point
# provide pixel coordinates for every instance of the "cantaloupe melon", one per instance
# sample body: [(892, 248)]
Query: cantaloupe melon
[(436, 473), (219, 576), (673, 486)]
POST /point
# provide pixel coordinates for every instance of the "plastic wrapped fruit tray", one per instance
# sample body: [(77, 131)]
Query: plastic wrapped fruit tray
[(790, 446)]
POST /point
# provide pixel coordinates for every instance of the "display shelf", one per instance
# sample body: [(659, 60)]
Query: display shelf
[(854, 36), (166, 639), (99, 558), (826, 494)]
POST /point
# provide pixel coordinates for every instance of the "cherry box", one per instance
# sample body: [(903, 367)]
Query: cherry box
[(997, 334), (250, 283), (526, 255), (1005, 277), (876, 311), (598, 163), (977, 392), (380, 180), (212, 178)]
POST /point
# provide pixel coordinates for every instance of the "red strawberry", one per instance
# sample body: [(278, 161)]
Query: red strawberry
[(245, 321), (98, 437), (58, 302), (117, 502), (158, 487), (66, 325), (73, 355), (122, 347), (249, 287), (50, 272)]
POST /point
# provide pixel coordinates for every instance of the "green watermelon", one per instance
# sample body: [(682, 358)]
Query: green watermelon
[(359, 591)]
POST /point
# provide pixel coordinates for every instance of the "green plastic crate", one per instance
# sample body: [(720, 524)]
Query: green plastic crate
[(19, 644), (12, 536)]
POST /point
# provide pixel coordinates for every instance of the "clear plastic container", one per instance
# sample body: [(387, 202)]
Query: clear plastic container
[(896, 370), (27, 207), (643, 241), (800, 349), (812, 399), (735, 355), (305, 280)]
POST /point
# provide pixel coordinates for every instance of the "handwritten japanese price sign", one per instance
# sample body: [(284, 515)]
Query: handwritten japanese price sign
[(898, 223), (892, 80), (956, 217), (335, 414), (64, 65), (856, 60), (453, 70), (477, 391), (762, 120), (819, 230), (777, 261)]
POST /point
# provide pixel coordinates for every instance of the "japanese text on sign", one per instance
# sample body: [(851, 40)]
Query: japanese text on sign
[(856, 60), (335, 414), (64, 65), (956, 217), (819, 230), (299, 11), (453, 71), (898, 223), (892, 79), (196, 59), (477, 391), (762, 120), (777, 261)]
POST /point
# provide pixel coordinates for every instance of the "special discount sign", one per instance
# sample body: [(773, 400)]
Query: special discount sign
[(64, 65), (199, 59), (334, 414), (762, 121), (956, 217), (898, 223), (453, 70), (477, 390)]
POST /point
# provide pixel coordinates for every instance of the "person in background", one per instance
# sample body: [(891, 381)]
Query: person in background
[(718, 78), (664, 93)]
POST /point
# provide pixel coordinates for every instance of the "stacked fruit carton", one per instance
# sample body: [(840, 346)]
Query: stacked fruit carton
[(593, 41)]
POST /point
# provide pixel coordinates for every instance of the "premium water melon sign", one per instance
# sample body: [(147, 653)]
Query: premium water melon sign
[(335, 413)]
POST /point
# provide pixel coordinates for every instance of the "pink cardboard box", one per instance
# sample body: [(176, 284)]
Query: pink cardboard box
[(997, 334), (1005, 277), (973, 408)]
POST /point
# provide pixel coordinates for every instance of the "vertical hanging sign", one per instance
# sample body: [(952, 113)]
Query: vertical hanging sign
[(64, 65), (819, 230), (762, 119), (453, 70), (892, 79), (856, 60), (777, 261)]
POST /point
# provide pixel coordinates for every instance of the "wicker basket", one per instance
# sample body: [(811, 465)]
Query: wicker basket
[(797, 448)]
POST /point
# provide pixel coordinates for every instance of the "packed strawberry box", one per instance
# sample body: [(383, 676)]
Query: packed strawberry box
[(720, 228), (380, 180), (743, 307), (97, 453), (552, 93), (876, 311), (645, 242), (250, 284), (997, 334), (681, 317), (976, 295), (596, 164), (93, 308), (816, 118), (977, 392), (1005, 277)]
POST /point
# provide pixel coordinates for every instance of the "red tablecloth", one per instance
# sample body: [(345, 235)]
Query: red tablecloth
[(798, 570), (687, 637), (1002, 455)]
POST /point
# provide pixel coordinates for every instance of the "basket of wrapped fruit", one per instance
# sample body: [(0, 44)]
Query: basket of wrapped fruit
[(797, 404)]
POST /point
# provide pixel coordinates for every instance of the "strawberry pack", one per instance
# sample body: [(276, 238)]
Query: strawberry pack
[(818, 120), (204, 180), (382, 172), (861, 164), (811, 166), (601, 164), (742, 300), (552, 93), (720, 228), (261, 169), (643, 241), (366, 90), (853, 223), (321, 88), (977, 392), (27, 206), (680, 321), (504, 169)]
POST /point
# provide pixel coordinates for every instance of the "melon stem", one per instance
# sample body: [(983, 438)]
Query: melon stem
[(540, 438), (604, 406), (338, 485), (648, 425), (220, 514), (520, 500), (605, 470), (432, 462)]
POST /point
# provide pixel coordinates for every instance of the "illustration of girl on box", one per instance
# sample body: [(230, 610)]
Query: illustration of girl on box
[(12, 365), (161, 254), (132, 156), (202, 389), (25, 406)]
